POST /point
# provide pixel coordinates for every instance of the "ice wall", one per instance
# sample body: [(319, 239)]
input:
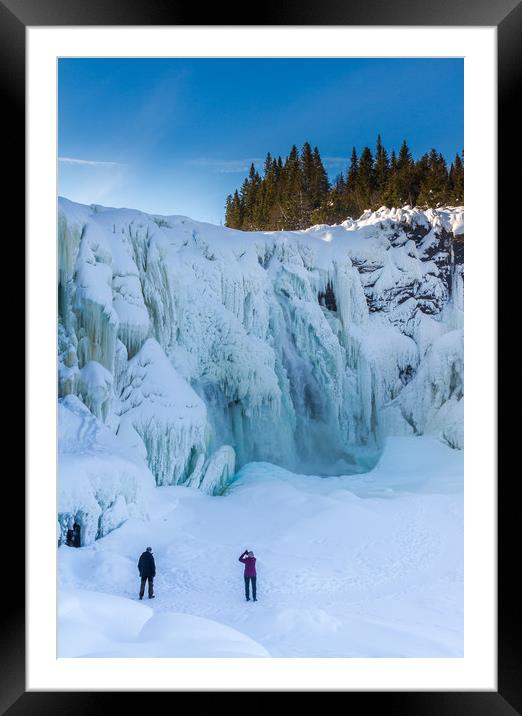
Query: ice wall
[(204, 348), (161, 415), (102, 482)]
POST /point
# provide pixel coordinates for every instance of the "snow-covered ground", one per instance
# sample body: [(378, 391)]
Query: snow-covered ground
[(367, 565)]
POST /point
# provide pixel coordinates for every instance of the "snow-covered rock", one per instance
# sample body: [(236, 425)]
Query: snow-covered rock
[(95, 388), (433, 402)]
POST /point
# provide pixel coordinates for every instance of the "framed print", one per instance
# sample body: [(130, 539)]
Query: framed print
[(247, 332)]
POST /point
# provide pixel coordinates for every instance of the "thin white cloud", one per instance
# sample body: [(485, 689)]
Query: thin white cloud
[(88, 162), (224, 166), (334, 161)]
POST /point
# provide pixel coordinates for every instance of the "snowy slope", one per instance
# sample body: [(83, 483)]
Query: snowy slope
[(203, 348)]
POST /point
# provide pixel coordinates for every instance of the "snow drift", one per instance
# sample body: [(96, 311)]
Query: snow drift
[(101, 626), (202, 348)]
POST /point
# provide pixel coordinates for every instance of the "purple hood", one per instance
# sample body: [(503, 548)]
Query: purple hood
[(250, 565)]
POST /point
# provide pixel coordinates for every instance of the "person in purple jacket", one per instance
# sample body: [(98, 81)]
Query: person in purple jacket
[(249, 561)]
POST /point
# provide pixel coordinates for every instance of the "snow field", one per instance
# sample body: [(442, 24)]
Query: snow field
[(367, 565)]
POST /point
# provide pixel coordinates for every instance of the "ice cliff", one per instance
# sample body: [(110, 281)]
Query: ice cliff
[(202, 348)]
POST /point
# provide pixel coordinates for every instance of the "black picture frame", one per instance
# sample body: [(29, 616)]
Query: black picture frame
[(506, 16)]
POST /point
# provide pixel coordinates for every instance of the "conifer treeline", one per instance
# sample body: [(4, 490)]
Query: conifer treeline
[(296, 193)]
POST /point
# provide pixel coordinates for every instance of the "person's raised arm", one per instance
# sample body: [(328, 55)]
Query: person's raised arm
[(242, 558)]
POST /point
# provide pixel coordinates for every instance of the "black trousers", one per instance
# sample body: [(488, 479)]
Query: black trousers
[(151, 586), (247, 587)]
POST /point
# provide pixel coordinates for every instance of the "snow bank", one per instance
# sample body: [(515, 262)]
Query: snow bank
[(421, 464), (100, 625)]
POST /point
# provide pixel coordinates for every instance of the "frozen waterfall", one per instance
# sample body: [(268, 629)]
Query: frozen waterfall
[(200, 348)]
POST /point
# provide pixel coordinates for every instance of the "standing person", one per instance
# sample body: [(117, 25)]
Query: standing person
[(76, 540), (250, 575), (147, 570), (70, 536)]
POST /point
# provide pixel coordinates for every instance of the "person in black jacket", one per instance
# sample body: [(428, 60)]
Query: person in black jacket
[(77, 540), (147, 570)]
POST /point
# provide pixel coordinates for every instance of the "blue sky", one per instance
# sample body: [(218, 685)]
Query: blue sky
[(175, 136)]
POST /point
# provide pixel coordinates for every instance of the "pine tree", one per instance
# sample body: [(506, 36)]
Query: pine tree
[(268, 189), (350, 205), (365, 181), (382, 169), (307, 167), (233, 218), (457, 180), (249, 197), (338, 206), (354, 165), (228, 207), (292, 191), (307, 183), (320, 184), (422, 176), (405, 159), (405, 176), (390, 196), (296, 194), (277, 221), (435, 187)]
